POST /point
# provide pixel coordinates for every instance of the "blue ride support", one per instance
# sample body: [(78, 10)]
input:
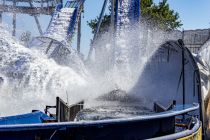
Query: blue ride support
[(127, 17), (74, 10), (132, 13)]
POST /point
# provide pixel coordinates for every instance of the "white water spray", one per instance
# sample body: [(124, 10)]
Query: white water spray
[(33, 80)]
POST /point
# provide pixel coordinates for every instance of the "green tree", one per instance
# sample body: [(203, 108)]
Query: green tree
[(104, 25), (159, 15)]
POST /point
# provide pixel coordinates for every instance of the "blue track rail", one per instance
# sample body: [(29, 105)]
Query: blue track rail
[(129, 9), (76, 7)]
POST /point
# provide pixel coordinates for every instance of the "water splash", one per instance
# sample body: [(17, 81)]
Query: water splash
[(31, 80)]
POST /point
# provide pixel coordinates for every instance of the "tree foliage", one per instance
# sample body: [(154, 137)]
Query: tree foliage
[(159, 15), (104, 25)]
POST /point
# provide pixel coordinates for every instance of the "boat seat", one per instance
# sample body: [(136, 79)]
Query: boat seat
[(160, 108), (64, 113)]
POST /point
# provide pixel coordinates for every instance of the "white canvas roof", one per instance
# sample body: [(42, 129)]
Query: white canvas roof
[(162, 78)]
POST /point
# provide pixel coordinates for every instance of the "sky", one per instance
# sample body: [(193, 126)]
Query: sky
[(91, 11), (194, 14)]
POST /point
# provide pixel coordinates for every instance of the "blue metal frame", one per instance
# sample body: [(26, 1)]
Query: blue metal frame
[(72, 23), (100, 19), (141, 127), (74, 3), (134, 10), (178, 110)]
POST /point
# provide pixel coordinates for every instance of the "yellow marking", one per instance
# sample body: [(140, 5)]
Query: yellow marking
[(195, 136)]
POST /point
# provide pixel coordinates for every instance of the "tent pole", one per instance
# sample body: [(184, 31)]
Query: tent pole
[(183, 70)]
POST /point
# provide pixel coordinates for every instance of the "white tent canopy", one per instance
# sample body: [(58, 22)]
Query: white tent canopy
[(174, 74)]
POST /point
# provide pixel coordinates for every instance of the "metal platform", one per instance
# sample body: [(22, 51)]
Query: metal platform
[(29, 7)]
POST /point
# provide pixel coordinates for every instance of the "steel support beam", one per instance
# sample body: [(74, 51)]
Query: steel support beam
[(26, 10), (36, 19), (79, 34), (97, 28), (38, 24)]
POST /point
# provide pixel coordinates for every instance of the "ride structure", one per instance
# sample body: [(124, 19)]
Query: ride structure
[(179, 109), (30, 7), (35, 8), (124, 13), (156, 126), (56, 41)]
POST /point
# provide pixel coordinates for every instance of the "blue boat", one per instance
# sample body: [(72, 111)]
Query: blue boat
[(184, 118), (38, 125)]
